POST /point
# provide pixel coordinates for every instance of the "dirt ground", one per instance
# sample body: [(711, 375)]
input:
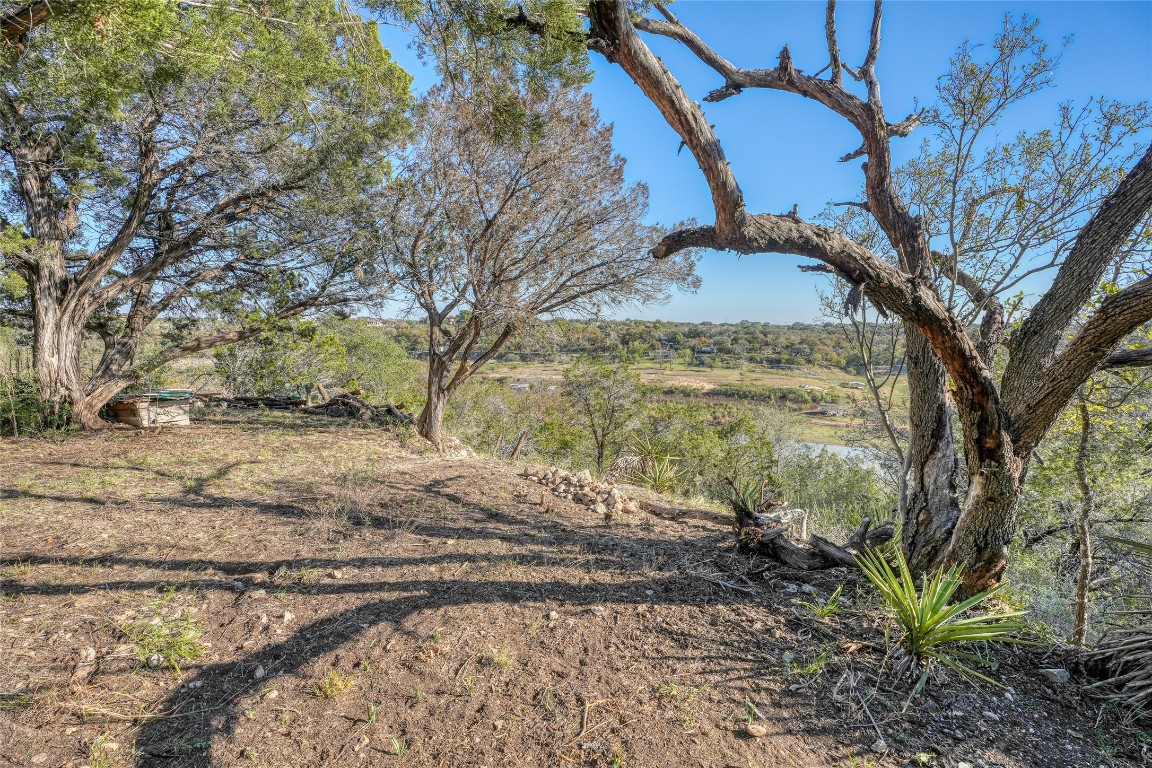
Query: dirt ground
[(281, 591)]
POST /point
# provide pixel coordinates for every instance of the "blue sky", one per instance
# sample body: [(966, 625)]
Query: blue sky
[(784, 149)]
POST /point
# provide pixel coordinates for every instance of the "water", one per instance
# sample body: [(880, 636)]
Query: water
[(845, 451)]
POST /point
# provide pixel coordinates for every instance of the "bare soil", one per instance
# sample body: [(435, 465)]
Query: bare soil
[(360, 602)]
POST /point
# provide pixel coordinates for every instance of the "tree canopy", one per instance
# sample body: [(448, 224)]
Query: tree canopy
[(484, 230), (193, 163)]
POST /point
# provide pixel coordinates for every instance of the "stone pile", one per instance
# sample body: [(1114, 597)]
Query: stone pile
[(602, 498)]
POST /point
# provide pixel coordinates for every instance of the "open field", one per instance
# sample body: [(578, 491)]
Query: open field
[(277, 591), (818, 429)]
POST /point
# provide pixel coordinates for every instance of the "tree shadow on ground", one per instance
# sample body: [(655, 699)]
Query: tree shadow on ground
[(206, 709)]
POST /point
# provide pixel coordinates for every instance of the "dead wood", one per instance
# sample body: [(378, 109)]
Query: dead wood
[(771, 534)]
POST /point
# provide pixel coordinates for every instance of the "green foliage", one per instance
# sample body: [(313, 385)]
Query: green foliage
[(701, 345), (789, 395), (660, 474), (829, 607), (605, 401), (24, 413), (172, 640), (329, 352), (333, 685), (838, 491), (933, 628), (290, 361)]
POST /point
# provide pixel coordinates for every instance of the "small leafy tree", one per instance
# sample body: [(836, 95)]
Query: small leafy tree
[(606, 399), (485, 229)]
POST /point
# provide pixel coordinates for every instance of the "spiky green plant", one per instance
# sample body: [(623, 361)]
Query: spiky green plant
[(657, 474), (931, 627), (1127, 650)]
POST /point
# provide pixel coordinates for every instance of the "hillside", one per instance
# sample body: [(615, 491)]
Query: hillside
[(278, 591)]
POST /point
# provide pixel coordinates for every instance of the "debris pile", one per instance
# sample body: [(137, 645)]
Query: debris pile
[(275, 402), (349, 406), (603, 498)]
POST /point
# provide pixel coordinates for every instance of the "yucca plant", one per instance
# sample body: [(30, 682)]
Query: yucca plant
[(650, 467), (1127, 651), (659, 474), (932, 628)]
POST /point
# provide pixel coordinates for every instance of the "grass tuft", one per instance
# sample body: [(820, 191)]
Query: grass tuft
[(333, 686)]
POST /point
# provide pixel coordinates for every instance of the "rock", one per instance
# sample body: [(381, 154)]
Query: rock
[(787, 657), (963, 765), (88, 655), (40, 758), (598, 610), (271, 694), (879, 746), (259, 672), (1056, 676), (584, 476), (288, 616), (600, 509), (808, 589), (337, 573), (755, 731), (257, 593), (155, 661), (992, 716), (194, 684), (553, 615)]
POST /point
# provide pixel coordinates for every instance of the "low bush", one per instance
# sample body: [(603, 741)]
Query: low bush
[(24, 413)]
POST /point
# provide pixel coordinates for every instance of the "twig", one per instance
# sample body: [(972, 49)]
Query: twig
[(584, 719), (869, 713)]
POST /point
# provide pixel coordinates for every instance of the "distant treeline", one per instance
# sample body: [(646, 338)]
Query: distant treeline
[(705, 344)]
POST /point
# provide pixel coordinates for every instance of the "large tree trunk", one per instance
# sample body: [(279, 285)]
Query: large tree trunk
[(57, 337), (932, 508), (430, 424)]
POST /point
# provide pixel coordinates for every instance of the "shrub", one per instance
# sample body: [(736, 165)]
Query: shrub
[(932, 628), (23, 412)]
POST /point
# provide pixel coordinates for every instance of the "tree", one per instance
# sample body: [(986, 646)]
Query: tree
[(1094, 484), (1002, 392), (485, 229), (195, 164), (605, 400)]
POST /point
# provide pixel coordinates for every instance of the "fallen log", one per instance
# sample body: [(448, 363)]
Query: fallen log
[(764, 529), (349, 406)]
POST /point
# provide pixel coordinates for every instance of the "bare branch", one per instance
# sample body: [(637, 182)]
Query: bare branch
[(1129, 358), (833, 46)]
